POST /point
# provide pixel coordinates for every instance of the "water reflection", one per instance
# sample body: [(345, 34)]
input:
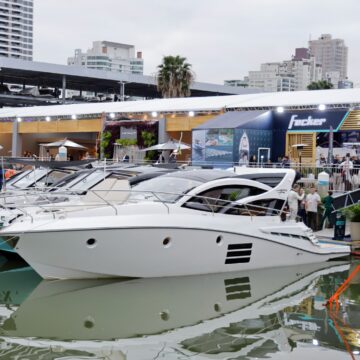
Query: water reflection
[(245, 315)]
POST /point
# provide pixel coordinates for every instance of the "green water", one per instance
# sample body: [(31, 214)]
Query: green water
[(262, 314)]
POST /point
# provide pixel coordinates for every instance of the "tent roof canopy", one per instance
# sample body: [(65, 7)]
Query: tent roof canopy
[(169, 145), (340, 97), (238, 119), (65, 142)]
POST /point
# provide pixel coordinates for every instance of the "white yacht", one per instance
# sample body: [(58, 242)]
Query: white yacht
[(182, 223)]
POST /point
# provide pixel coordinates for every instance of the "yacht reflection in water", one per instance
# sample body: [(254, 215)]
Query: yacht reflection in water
[(245, 314)]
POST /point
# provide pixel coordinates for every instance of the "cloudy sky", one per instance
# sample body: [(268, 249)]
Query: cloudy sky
[(222, 39)]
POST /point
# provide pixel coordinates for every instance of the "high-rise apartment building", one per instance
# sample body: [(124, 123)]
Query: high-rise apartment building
[(16, 29), (289, 75), (109, 56), (332, 54)]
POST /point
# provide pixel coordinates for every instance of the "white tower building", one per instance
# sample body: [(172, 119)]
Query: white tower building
[(332, 54), (110, 56), (16, 29)]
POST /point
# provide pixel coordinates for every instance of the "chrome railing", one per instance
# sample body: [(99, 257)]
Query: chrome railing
[(203, 203)]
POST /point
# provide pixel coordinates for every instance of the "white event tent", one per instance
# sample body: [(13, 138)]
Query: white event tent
[(331, 98)]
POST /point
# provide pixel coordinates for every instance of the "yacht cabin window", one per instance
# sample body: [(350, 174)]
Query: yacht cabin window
[(163, 188), (263, 207), (83, 182), (52, 177), (217, 199), (29, 179)]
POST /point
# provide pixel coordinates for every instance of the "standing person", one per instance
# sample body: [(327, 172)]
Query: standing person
[(321, 162), (346, 166), (302, 211), (172, 158), (355, 172), (252, 162), (312, 201), (161, 159), (296, 194), (328, 205), (285, 163)]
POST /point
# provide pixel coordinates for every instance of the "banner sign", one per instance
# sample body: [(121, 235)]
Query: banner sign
[(319, 121)]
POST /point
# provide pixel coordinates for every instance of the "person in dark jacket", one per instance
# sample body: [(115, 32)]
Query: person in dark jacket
[(328, 205)]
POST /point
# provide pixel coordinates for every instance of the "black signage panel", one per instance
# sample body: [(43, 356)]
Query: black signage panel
[(319, 121)]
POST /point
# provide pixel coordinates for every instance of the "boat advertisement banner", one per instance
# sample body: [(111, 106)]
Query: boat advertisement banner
[(300, 121), (213, 145), (225, 146), (244, 149), (247, 142), (198, 145), (219, 145)]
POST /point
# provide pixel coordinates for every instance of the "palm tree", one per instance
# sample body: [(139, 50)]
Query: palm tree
[(320, 85), (174, 77)]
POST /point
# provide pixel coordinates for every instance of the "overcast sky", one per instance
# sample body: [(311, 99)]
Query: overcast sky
[(222, 39)]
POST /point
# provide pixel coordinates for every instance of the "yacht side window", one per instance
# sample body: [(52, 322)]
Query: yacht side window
[(216, 199), (264, 207)]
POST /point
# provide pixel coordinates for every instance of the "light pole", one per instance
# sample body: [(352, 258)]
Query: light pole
[(122, 90)]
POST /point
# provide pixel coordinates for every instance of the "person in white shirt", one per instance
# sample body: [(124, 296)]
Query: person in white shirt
[(346, 167), (312, 201), (296, 194)]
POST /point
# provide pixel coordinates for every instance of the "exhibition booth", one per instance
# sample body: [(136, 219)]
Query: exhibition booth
[(263, 136)]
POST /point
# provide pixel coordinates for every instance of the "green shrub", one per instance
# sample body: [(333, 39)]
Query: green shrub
[(104, 143), (149, 139), (126, 142), (352, 213)]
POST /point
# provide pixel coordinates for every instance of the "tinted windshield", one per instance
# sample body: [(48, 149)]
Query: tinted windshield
[(83, 182), (52, 177), (166, 188), (29, 178)]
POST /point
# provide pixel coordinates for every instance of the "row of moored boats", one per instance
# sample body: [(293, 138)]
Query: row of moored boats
[(146, 221)]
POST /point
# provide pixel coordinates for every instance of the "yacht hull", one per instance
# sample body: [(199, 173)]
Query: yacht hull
[(151, 251)]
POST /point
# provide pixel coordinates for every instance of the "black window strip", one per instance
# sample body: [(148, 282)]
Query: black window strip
[(237, 296), (237, 260), (235, 281), (239, 253), (237, 288), (239, 246)]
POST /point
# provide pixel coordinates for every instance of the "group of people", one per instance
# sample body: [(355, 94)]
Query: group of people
[(28, 154), (172, 158), (305, 207), (284, 162), (344, 172)]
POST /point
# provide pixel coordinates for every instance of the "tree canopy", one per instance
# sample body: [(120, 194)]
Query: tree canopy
[(174, 77), (320, 85)]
